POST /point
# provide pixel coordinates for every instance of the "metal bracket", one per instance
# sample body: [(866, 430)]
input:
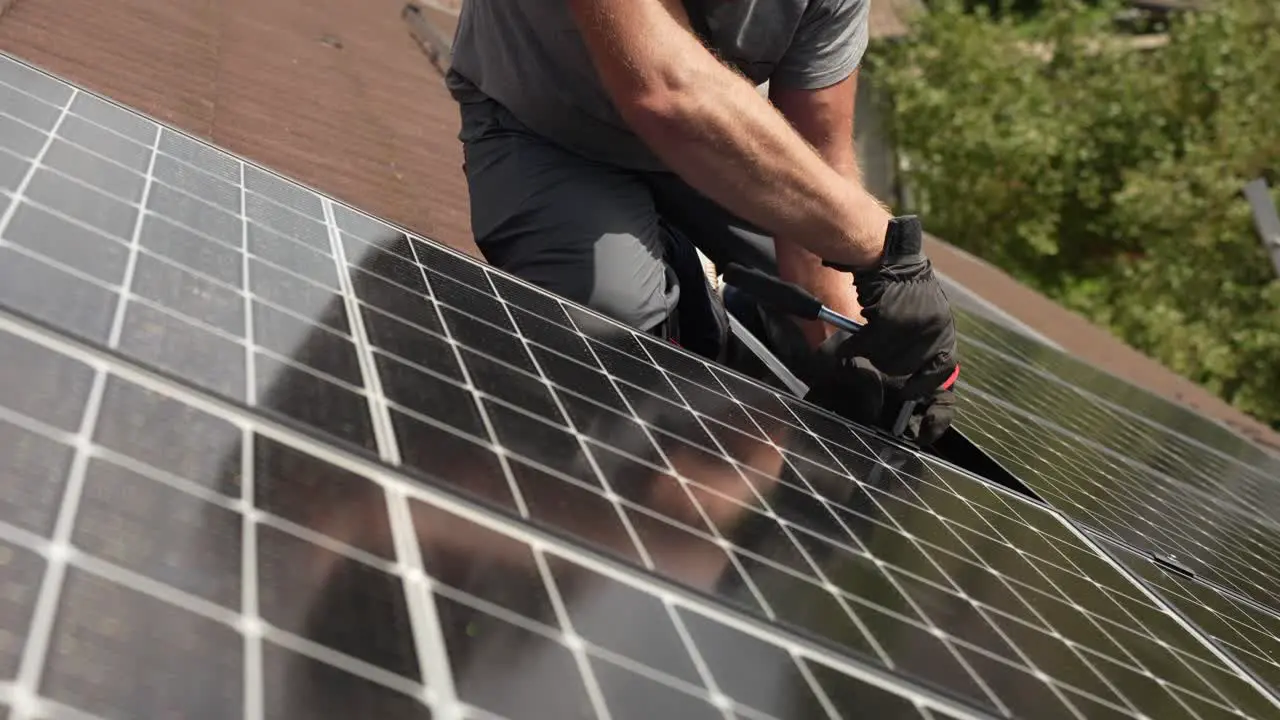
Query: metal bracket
[(771, 361), (1171, 564)]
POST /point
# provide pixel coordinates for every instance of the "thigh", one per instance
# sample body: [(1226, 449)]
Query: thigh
[(586, 231)]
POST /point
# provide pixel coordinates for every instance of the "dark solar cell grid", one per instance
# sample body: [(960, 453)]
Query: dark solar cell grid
[(1225, 542), (1248, 632), (1156, 447), (272, 414), (1156, 413), (190, 553)]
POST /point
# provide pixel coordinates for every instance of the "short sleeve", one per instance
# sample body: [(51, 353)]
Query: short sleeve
[(827, 47)]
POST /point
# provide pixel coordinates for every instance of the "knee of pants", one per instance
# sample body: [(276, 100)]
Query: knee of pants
[(643, 305)]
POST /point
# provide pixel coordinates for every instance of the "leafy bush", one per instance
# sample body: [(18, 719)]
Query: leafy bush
[(1105, 176)]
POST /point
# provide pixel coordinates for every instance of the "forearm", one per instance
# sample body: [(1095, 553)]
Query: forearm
[(711, 127), (834, 288), (734, 147)]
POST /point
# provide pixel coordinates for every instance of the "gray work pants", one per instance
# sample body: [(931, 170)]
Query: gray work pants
[(616, 240)]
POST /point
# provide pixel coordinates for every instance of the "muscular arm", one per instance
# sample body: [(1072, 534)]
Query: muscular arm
[(824, 118), (711, 127)]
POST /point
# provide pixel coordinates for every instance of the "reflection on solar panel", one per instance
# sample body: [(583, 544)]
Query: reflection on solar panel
[(1241, 628), (1149, 417), (267, 456), (1129, 476)]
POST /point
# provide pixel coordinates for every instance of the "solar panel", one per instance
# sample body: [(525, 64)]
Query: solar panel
[(1142, 413), (1126, 475), (272, 457), (1250, 633)]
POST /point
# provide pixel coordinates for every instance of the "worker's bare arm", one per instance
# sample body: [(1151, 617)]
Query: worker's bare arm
[(713, 129), (825, 119)]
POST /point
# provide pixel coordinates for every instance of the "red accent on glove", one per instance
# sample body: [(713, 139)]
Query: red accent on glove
[(955, 374)]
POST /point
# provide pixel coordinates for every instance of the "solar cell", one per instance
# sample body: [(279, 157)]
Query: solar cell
[(293, 461)]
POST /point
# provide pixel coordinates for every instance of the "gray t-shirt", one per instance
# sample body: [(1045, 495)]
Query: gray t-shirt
[(529, 57)]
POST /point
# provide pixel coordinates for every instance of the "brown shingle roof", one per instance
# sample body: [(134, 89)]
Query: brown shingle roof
[(331, 92), (338, 95)]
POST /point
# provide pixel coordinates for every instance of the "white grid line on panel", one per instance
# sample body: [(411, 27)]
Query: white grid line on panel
[(881, 466), (831, 587), (1083, 653), (568, 639), (685, 638), (1240, 641), (388, 447), (484, 517), (1061, 483), (718, 698), (251, 623), (253, 668), (141, 206), (818, 691), (594, 691), (36, 425), (250, 339), (110, 193), (40, 635), (581, 439), (1129, 414), (1162, 534), (214, 328), (201, 607), (353, 666), (21, 191), (1205, 640), (983, 611), (13, 695), (185, 163), (428, 637), (4, 56), (826, 504), (474, 392), (1122, 462), (559, 389), (34, 652), (428, 640), (683, 481), (1026, 661)]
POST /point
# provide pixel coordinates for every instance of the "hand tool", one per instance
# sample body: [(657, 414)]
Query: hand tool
[(794, 300), (785, 296)]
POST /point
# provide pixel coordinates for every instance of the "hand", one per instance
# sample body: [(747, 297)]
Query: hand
[(906, 352), (852, 387)]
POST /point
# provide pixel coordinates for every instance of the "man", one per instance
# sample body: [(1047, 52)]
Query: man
[(604, 139)]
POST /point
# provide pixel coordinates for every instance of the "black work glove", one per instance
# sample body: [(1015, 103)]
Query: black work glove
[(904, 357)]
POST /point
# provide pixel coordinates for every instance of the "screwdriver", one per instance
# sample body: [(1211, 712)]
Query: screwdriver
[(785, 296)]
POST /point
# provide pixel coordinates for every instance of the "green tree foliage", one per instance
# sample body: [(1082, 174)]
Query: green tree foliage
[(1105, 176)]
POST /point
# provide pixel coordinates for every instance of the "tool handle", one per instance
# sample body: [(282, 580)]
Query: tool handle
[(782, 295)]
